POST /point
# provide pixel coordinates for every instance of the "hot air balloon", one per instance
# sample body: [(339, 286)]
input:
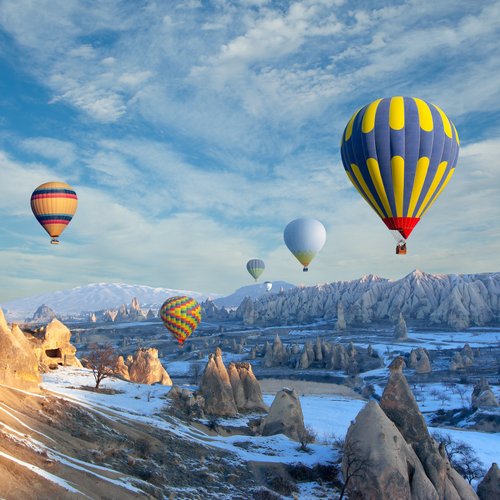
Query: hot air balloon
[(268, 285), (54, 204), (400, 153), (181, 315), (255, 267), (304, 237)]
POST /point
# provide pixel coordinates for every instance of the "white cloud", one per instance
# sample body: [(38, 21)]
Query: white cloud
[(63, 152)]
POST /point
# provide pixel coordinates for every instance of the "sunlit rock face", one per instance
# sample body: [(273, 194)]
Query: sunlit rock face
[(144, 367), (52, 346), (18, 363)]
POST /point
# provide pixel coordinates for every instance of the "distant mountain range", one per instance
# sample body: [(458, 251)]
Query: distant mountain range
[(94, 297), (99, 296), (452, 300)]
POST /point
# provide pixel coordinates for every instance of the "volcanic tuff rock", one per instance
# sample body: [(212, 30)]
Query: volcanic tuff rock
[(18, 363), (457, 301), (246, 389), (400, 331), (216, 388), (341, 322), (44, 314), (489, 487), (123, 313), (400, 406), (420, 360), (285, 416), (460, 362), (483, 396), (52, 346), (225, 392), (143, 367), (388, 466)]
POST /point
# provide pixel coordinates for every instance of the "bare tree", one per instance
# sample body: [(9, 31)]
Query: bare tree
[(195, 371), (462, 457), (101, 360), (306, 436), (461, 390), (354, 464)]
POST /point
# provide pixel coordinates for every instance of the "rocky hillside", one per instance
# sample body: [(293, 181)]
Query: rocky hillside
[(450, 300)]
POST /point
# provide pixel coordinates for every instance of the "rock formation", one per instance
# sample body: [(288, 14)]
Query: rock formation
[(143, 367), (483, 396), (18, 363), (420, 360), (285, 416), (489, 487), (52, 346), (246, 389), (460, 362), (187, 402), (388, 466), (341, 323), (121, 368), (216, 388), (457, 301), (44, 314), (400, 331), (400, 406), (227, 391)]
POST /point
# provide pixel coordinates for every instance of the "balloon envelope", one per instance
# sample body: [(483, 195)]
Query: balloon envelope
[(181, 315), (268, 285), (54, 204), (304, 237), (255, 267), (400, 153)]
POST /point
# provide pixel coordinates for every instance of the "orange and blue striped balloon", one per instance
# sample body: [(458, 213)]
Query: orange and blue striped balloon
[(54, 204), (400, 153), (181, 315)]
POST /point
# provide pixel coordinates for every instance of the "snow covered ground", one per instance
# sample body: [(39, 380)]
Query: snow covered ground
[(327, 415)]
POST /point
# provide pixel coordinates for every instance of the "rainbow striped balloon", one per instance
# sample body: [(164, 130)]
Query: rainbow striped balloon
[(54, 204), (400, 153), (181, 315)]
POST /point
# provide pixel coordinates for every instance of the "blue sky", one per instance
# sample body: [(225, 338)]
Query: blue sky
[(194, 131)]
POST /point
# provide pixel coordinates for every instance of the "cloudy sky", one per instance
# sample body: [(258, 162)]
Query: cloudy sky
[(193, 131)]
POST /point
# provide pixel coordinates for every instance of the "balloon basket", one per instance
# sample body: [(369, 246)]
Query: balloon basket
[(305, 269), (54, 241)]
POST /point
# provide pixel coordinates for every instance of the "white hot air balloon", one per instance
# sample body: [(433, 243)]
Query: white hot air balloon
[(305, 237), (268, 286)]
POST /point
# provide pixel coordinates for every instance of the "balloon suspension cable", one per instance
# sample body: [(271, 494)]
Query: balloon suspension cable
[(54, 241)]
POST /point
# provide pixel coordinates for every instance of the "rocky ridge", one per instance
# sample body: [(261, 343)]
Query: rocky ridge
[(455, 301)]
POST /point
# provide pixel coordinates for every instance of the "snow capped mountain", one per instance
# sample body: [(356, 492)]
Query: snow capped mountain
[(94, 297), (253, 291)]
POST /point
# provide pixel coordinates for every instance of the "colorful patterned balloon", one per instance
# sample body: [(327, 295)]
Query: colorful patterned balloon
[(400, 153), (255, 267), (181, 315), (54, 204)]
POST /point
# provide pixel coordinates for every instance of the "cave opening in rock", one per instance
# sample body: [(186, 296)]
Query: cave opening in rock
[(53, 353)]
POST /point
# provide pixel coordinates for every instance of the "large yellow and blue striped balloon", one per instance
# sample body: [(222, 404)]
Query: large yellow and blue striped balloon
[(54, 204), (181, 315), (400, 153)]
